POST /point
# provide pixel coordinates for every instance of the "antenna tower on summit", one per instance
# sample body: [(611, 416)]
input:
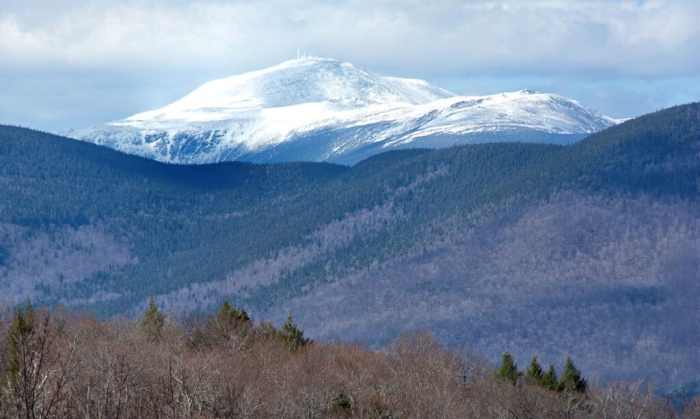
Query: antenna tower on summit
[(301, 54)]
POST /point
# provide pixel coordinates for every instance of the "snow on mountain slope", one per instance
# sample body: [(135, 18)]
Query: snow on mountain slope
[(322, 109)]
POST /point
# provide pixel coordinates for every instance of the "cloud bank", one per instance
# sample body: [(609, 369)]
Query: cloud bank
[(160, 44)]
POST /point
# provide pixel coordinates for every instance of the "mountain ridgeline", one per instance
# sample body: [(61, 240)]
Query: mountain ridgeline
[(590, 250), (322, 109)]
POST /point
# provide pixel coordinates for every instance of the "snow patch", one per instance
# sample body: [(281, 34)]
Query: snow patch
[(233, 117)]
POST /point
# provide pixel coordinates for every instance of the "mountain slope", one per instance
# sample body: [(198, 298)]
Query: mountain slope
[(320, 109), (589, 250)]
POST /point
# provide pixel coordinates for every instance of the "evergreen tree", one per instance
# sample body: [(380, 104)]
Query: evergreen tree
[(571, 379), (292, 336), (27, 372), (229, 314), (549, 379), (153, 321), (508, 370), (230, 320), (534, 373), (20, 334)]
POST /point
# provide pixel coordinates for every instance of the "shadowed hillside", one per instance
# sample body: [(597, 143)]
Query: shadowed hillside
[(589, 250)]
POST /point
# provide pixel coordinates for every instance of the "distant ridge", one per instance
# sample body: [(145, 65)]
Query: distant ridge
[(590, 250)]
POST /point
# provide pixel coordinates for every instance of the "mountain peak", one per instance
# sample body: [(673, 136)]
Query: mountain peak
[(310, 60), (325, 109), (307, 63), (294, 82)]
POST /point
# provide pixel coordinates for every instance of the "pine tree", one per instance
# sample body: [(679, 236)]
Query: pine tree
[(292, 336), (571, 380), (26, 381), (229, 319), (534, 373), (549, 379), (228, 313), (153, 321), (509, 369), (18, 337)]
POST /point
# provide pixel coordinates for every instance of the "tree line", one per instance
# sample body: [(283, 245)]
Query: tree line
[(63, 365)]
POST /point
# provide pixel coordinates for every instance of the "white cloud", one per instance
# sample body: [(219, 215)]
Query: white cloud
[(67, 64), (656, 38)]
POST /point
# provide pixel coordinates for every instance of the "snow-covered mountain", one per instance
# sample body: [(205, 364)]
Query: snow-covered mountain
[(320, 109)]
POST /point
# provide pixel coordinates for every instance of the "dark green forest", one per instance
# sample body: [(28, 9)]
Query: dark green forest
[(468, 241)]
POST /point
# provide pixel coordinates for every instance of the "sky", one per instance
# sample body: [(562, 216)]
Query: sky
[(68, 64)]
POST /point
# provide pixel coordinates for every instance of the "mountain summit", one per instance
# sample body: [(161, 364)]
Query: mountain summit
[(321, 109)]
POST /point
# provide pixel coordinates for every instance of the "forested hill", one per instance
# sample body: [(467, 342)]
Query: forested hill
[(493, 246), (52, 165)]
